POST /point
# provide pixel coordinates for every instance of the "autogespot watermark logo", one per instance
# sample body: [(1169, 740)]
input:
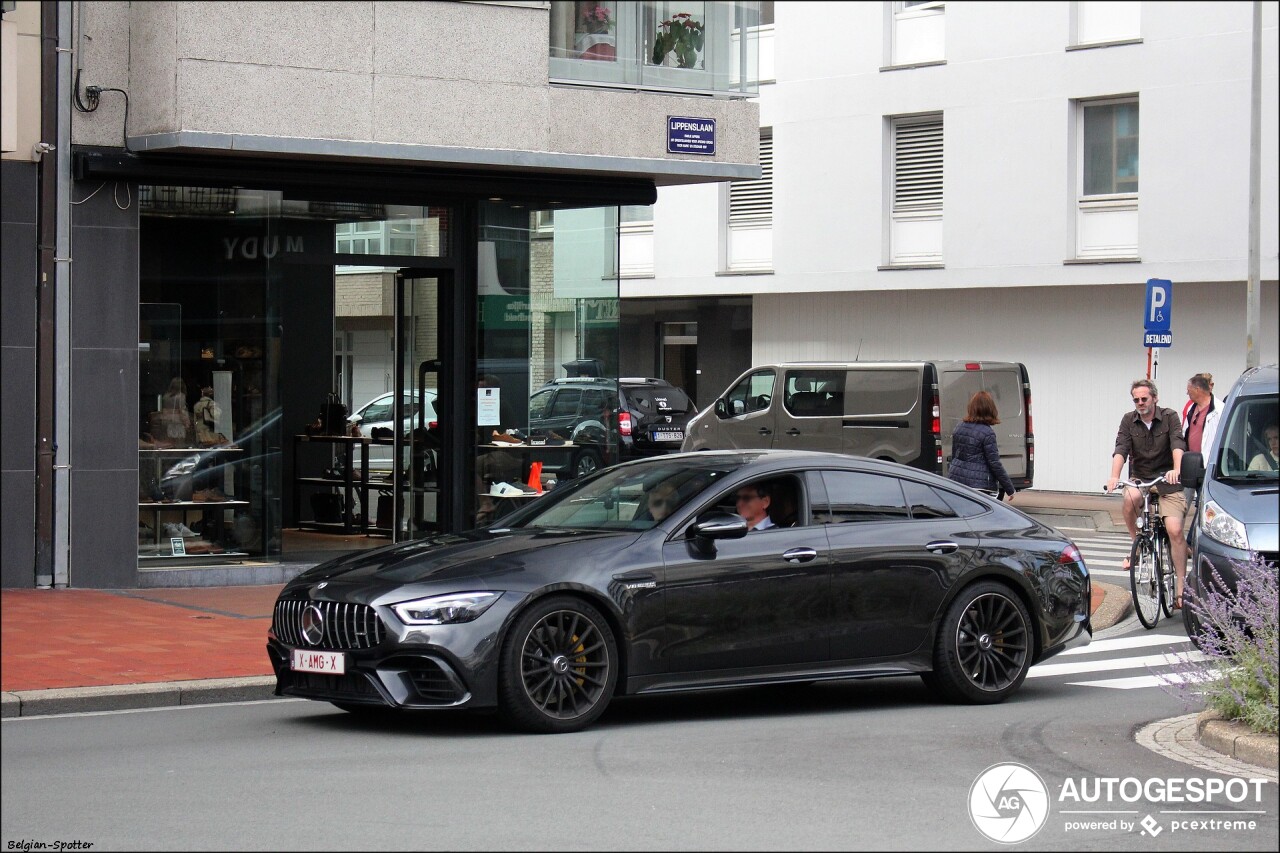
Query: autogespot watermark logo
[(1008, 803)]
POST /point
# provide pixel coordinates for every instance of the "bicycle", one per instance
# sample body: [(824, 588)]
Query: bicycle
[(1152, 587)]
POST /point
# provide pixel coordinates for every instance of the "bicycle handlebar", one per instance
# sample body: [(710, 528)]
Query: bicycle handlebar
[(1135, 484)]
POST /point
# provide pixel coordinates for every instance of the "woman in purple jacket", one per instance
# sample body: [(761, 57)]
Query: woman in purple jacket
[(975, 459)]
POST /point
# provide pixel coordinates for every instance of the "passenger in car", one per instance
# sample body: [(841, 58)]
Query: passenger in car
[(660, 500), (752, 502), (783, 507)]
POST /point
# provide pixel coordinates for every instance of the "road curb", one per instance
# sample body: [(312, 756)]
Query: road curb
[(1116, 605), (73, 700), (1235, 739)]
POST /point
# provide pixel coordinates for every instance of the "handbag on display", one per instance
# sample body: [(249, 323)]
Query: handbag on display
[(333, 416)]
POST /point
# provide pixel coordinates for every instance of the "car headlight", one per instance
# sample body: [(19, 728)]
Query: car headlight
[(1220, 526), (449, 609)]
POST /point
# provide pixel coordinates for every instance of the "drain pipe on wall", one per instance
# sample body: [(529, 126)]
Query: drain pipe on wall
[(46, 239), (62, 398)]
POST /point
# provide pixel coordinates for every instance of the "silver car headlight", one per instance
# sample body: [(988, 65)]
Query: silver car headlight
[(449, 609), (1222, 527)]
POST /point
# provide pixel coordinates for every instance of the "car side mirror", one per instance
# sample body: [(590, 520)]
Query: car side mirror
[(719, 525), (355, 419), (1191, 471)]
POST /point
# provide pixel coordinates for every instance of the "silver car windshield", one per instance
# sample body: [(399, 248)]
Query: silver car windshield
[(623, 498)]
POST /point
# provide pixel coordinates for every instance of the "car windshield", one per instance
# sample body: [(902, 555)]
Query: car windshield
[(1249, 442), (627, 497)]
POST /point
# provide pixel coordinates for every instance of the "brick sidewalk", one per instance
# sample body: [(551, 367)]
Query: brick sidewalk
[(86, 638)]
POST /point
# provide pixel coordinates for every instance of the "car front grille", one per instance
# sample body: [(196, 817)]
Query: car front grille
[(346, 626), (352, 685)]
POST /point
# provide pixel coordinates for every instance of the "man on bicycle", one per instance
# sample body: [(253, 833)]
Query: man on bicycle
[(1150, 439)]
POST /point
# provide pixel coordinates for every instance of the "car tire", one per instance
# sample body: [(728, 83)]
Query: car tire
[(558, 667), (984, 646), (586, 462)]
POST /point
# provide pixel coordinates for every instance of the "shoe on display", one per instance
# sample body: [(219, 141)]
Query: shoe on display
[(178, 530)]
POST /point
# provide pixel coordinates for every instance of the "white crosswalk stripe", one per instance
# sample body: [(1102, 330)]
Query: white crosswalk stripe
[(1104, 554)]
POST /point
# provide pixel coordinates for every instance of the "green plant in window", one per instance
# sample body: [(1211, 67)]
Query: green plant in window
[(681, 37)]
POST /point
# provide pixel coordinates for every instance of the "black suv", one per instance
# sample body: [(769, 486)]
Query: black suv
[(608, 421)]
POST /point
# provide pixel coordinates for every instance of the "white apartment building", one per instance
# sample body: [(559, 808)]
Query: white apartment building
[(979, 180)]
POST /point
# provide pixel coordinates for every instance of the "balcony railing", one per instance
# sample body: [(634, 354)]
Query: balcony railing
[(685, 47)]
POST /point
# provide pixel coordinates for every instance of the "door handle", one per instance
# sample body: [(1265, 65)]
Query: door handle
[(799, 555), (940, 546), (765, 431), (793, 431)]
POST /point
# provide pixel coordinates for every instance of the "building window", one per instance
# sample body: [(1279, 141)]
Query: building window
[(1094, 22), (687, 45), (750, 231), (916, 192), (635, 241), (1107, 183), (1110, 148), (918, 32)]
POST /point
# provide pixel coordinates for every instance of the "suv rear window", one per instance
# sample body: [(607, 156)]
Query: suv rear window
[(664, 399)]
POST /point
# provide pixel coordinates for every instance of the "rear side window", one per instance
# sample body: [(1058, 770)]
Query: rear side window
[(853, 497), (964, 507), (882, 392), (664, 399), (925, 502), (814, 393), (565, 403)]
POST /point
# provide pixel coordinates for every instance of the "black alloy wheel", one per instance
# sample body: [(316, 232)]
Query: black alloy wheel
[(984, 646), (585, 463), (559, 667)]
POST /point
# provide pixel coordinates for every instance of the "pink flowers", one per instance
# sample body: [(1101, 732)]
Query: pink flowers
[(594, 18)]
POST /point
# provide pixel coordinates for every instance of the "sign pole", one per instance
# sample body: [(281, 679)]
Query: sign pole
[(1149, 350)]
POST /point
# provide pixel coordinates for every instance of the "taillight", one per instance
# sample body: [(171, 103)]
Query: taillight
[(1071, 554), (1031, 430), (433, 424), (937, 431), (624, 423)]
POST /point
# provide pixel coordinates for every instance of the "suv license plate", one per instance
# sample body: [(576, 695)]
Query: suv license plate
[(668, 435), (332, 663)]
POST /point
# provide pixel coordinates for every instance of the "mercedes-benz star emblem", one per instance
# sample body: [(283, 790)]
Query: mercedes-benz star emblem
[(312, 625)]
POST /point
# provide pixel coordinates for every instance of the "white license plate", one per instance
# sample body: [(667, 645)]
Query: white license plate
[(332, 663), (668, 435)]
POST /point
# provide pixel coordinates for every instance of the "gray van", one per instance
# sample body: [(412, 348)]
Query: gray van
[(1238, 484), (902, 411)]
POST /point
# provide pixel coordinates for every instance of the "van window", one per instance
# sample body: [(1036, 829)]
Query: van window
[(812, 393), (752, 394), (882, 392), (853, 496), (1243, 446)]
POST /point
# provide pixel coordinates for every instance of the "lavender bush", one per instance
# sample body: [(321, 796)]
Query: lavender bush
[(1239, 637)]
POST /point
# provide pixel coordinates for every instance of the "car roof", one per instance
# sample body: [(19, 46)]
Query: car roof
[(1257, 380)]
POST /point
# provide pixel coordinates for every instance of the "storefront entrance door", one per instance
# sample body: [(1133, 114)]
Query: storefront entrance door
[(418, 469)]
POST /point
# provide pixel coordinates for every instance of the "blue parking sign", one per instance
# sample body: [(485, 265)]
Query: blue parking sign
[(1158, 311)]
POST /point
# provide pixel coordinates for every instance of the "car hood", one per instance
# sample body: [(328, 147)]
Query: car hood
[(509, 558)]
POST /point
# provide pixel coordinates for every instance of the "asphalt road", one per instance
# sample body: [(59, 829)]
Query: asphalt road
[(854, 765)]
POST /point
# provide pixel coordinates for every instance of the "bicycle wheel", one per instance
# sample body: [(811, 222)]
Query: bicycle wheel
[(1144, 582), (1168, 580)]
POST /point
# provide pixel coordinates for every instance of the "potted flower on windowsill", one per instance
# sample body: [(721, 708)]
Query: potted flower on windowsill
[(681, 37), (593, 37)]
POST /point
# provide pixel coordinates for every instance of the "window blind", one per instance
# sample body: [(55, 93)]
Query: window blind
[(752, 201), (917, 165)]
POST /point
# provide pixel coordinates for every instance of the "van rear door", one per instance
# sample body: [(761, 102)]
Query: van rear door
[(959, 381)]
